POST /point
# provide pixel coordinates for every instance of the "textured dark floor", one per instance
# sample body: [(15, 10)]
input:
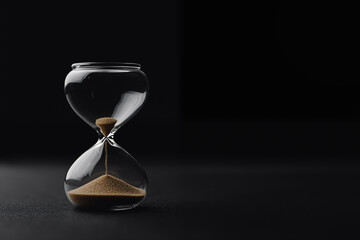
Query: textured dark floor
[(190, 201)]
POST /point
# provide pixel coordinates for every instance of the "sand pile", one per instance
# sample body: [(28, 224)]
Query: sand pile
[(104, 191)]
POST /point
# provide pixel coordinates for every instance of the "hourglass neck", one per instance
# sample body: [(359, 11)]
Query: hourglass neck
[(101, 136)]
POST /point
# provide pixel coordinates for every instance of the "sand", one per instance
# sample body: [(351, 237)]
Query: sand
[(106, 124), (106, 191)]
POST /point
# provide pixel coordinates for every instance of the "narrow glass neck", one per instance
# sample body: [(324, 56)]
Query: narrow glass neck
[(110, 139), (101, 136)]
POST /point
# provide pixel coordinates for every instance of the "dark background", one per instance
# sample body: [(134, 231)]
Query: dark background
[(251, 128), (251, 79), (40, 41), (225, 80)]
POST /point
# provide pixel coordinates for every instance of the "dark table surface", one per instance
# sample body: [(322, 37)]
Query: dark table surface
[(190, 201)]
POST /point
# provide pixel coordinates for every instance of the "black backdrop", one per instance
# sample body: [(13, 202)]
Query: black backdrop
[(271, 78), (40, 41), (258, 78)]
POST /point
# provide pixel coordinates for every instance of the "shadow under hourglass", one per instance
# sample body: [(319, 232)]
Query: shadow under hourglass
[(141, 209)]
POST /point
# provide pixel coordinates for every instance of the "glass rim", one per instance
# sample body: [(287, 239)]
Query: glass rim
[(112, 65)]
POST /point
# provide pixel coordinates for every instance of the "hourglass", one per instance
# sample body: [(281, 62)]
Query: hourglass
[(106, 96)]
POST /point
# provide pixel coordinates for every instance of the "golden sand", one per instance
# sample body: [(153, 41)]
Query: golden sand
[(106, 190), (106, 124)]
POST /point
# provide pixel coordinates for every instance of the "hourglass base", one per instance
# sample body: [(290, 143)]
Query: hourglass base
[(105, 201), (110, 209), (98, 207)]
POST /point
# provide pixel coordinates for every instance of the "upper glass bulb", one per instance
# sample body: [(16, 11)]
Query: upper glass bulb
[(95, 90)]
